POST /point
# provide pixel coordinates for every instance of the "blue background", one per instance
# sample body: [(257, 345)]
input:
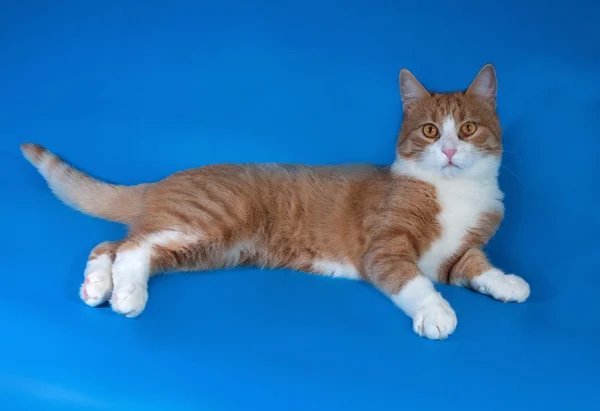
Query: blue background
[(133, 91)]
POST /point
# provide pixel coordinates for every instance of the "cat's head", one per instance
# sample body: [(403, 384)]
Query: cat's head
[(450, 134)]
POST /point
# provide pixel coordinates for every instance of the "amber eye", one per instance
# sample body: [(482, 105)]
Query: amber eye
[(468, 129), (430, 130)]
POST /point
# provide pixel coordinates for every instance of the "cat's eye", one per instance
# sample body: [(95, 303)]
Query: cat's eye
[(430, 131), (468, 129)]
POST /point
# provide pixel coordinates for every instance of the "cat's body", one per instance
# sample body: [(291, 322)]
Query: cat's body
[(398, 227)]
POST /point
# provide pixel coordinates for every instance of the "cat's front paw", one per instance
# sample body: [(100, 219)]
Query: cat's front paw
[(503, 287), (129, 299), (435, 320)]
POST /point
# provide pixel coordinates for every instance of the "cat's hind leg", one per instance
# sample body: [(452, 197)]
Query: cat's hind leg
[(137, 258), (98, 284)]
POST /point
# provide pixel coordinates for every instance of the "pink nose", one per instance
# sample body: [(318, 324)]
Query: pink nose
[(449, 153)]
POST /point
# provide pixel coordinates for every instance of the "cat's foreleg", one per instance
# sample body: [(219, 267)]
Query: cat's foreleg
[(473, 270), (394, 272)]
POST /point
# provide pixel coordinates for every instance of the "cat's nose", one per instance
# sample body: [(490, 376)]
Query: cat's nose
[(449, 153)]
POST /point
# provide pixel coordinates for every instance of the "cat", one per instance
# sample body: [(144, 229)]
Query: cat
[(423, 219)]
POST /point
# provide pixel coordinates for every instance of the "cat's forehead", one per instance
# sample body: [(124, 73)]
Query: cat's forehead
[(439, 106)]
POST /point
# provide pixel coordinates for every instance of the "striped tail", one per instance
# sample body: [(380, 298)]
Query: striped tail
[(84, 193)]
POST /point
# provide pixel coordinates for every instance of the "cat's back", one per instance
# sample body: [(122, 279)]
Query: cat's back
[(274, 175), (318, 191)]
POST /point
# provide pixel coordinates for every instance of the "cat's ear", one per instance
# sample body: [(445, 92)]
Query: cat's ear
[(410, 88), (485, 84)]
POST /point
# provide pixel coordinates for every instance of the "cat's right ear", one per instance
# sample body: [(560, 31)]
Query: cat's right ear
[(410, 88)]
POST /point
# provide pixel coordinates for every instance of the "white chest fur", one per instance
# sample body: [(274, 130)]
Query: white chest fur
[(462, 201)]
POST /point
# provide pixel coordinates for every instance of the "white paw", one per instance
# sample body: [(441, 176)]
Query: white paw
[(432, 315), (129, 299), (503, 287), (98, 285), (95, 289), (130, 274), (435, 320)]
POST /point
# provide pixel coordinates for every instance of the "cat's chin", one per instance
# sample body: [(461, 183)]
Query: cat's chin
[(450, 170), (445, 171)]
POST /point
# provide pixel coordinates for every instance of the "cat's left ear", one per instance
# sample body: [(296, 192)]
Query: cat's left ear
[(411, 90), (485, 84)]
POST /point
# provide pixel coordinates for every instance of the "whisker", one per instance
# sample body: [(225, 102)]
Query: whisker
[(512, 172), (403, 185)]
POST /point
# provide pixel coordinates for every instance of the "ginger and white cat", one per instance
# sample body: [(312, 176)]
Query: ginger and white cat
[(423, 219)]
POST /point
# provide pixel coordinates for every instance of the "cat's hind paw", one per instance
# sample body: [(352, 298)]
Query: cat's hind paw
[(129, 299), (98, 284)]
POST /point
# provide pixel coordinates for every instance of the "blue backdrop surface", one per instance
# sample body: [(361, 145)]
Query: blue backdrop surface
[(133, 91)]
